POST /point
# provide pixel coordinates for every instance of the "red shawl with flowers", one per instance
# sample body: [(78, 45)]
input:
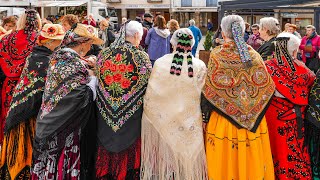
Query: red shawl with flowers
[(14, 49)]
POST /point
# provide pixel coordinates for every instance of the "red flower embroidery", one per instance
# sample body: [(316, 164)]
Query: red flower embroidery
[(107, 64), (117, 77), (125, 83), (118, 57), (130, 68), (113, 68), (134, 78), (52, 31), (122, 68), (108, 80)]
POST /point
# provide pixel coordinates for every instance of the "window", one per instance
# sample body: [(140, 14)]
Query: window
[(212, 3), (186, 3)]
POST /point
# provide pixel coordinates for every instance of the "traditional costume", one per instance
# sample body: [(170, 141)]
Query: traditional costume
[(16, 155), (65, 126), (266, 50), (285, 115), (14, 49), (235, 96), (312, 128), (123, 71), (172, 133)]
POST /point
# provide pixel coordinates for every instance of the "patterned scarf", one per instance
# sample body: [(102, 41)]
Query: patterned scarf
[(183, 47), (27, 95), (308, 46), (32, 23), (241, 44), (123, 72), (65, 73)]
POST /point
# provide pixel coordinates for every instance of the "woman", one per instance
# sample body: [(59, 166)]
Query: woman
[(309, 47), (14, 49), (255, 41), (269, 29), (312, 128), (16, 155), (66, 118), (123, 71), (293, 30), (174, 139), (217, 38), (9, 23), (173, 25), (287, 109), (105, 34), (69, 20), (235, 96), (158, 39)]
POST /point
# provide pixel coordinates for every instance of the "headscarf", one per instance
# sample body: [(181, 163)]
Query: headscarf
[(72, 39), (31, 22), (183, 40), (241, 44)]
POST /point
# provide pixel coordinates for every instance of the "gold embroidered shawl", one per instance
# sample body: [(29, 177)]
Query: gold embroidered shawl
[(240, 93)]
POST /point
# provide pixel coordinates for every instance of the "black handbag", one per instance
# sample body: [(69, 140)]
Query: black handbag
[(314, 63)]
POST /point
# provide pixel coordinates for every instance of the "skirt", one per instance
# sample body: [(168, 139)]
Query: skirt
[(16, 154), (124, 165), (237, 154), (290, 156)]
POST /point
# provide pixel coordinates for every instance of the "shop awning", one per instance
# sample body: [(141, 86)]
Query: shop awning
[(59, 3)]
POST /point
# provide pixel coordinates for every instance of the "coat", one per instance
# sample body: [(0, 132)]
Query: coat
[(158, 42), (315, 46)]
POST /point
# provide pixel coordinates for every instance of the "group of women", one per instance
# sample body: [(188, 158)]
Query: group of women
[(67, 115)]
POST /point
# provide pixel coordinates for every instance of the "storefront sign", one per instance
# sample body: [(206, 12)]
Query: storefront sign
[(147, 6), (289, 15)]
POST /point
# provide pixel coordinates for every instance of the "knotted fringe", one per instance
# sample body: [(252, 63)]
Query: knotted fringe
[(160, 162), (17, 148)]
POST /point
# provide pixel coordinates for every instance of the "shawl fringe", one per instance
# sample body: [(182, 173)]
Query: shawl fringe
[(160, 162), (312, 140)]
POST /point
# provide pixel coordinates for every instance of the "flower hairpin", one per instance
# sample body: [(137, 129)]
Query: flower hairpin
[(52, 31)]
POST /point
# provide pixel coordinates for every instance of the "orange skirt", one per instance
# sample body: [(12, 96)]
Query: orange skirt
[(237, 154)]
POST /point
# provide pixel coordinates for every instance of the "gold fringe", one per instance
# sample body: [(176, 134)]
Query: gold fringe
[(16, 151)]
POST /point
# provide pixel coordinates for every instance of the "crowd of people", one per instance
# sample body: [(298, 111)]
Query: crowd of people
[(79, 102)]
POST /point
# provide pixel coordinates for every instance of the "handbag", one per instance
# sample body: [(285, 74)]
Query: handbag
[(314, 63)]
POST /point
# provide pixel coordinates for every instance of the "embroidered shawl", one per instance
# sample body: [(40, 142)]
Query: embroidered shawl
[(292, 78), (14, 49), (241, 93), (123, 73), (65, 73), (313, 113), (123, 76), (27, 95)]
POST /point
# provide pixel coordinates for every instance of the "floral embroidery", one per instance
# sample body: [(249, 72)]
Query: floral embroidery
[(26, 84), (65, 73), (123, 78)]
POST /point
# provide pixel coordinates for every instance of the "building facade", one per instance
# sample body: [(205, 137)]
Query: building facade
[(136, 8), (199, 10)]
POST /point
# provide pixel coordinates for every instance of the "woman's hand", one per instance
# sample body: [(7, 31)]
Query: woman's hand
[(91, 60), (91, 73)]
